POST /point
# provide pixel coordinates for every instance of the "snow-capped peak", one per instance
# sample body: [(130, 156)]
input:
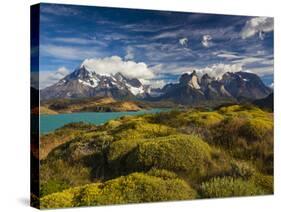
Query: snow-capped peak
[(87, 77)]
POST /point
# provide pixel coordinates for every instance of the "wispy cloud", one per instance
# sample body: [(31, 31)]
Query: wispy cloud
[(206, 40), (80, 40), (129, 53), (68, 52), (257, 25), (249, 60), (183, 41), (59, 10)]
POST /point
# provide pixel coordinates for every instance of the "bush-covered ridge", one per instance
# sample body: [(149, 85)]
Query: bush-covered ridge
[(134, 188), (219, 153)]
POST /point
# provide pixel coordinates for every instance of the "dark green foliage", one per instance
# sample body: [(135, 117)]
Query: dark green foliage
[(57, 175), (79, 126), (52, 186)]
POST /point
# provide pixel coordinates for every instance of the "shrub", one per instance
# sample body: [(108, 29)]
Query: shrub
[(117, 154), (50, 141), (79, 126), (203, 118), (226, 133), (265, 182), (121, 148), (171, 118), (229, 187), (162, 173), (112, 124), (134, 188), (57, 175), (59, 200), (177, 153), (139, 187), (89, 195), (256, 129), (82, 146), (229, 109), (137, 129), (52, 186), (242, 169)]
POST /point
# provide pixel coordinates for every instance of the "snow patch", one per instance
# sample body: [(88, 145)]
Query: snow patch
[(93, 84), (134, 90)]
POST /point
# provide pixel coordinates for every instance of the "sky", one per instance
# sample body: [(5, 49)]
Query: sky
[(153, 46)]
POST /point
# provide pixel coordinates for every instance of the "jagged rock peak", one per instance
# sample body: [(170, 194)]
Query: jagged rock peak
[(190, 79)]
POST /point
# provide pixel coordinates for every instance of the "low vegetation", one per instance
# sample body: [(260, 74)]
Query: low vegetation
[(174, 155), (134, 188), (102, 104)]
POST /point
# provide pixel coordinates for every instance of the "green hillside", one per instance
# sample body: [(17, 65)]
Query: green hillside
[(173, 155)]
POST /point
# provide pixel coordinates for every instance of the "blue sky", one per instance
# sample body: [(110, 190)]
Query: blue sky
[(155, 46)]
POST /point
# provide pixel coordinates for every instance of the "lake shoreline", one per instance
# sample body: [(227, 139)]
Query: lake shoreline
[(50, 122)]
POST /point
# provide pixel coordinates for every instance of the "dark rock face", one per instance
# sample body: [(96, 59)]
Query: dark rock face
[(266, 103), (244, 84), (232, 86)]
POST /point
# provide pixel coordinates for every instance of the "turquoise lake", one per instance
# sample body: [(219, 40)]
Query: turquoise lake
[(49, 123)]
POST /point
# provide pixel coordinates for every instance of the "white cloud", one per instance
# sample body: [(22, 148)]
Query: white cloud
[(228, 56), (261, 35), (258, 25), (154, 83), (48, 78), (129, 53), (217, 70), (157, 83), (206, 40), (114, 64), (183, 41)]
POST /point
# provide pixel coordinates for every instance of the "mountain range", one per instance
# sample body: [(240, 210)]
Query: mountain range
[(191, 89), (84, 83)]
